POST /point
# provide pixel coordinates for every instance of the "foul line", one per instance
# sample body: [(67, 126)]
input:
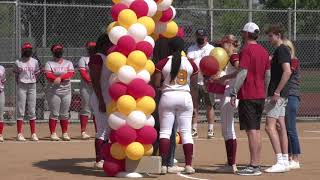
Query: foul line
[(189, 177), (311, 131)]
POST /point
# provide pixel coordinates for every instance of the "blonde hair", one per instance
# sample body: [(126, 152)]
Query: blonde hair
[(292, 49)]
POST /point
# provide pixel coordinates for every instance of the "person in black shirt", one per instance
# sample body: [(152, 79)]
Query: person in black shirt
[(278, 98)]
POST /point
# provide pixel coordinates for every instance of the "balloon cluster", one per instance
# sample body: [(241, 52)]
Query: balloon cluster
[(136, 23), (215, 62)]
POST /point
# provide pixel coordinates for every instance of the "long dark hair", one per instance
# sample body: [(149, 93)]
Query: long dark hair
[(103, 44), (176, 45), (161, 50)]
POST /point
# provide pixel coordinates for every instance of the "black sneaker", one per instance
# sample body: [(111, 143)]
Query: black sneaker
[(250, 171), (194, 133)]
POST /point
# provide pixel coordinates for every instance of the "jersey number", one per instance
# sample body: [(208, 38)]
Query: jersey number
[(182, 77)]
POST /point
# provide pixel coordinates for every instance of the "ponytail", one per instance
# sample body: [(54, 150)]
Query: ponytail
[(175, 65)]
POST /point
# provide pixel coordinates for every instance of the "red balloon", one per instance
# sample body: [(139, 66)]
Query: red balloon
[(147, 135), (112, 136), (126, 135), (140, 7), (150, 91), (126, 44), (145, 47), (105, 150), (181, 32), (209, 66), (117, 90), (112, 166), (116, 9), (137, 88), (167, 15)]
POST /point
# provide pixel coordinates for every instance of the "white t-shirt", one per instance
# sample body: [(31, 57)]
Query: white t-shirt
[(182, 81), (2, 77), (196, 53), (27, 70)]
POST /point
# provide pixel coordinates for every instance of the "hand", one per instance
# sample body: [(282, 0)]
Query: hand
[(233, 101), (57, 81), (102, 107), (222, 80), (274, 99)]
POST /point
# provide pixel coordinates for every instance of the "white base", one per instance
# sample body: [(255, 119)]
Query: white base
[(129, 175)]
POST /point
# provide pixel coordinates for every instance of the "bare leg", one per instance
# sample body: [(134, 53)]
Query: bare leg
[(271, 129), (254, 138)]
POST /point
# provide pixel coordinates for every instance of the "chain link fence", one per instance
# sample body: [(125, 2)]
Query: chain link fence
[(74, 25)]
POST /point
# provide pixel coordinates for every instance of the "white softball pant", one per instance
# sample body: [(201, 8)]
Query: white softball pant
[(227, 112), (85, 92), (26, 94), (176, 106), (2, 100), (103, 129), (59, 105)]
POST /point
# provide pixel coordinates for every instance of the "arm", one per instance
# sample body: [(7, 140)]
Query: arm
[(50, 76), (85, 75), (240, 78), (95, 66), (67, 76), (157, 79), (267, 78)]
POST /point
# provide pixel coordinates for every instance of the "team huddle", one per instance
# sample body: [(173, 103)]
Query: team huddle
[(252, 82)]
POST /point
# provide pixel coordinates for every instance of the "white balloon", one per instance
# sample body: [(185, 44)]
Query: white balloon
[(127, 2), (126, 74), (150, 121), (150, 40), (161, 27), (164, 5), (138, 32), (116, 33), (145, 75), (152, 7), (113, 78), (136, 119), (174, 12), (116, 120)]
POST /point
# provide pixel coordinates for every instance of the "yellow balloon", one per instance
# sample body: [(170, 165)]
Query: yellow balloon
[(150, 67), (135, 151), (148, 23), (112, 107), (157, 16), (183, 54), (148, 149), (111, 25), (137, 59), (118, 151), (127, 17), (115, 61), (221, 56), (146, 104), (171, 30), (116, 1), (126, 104)]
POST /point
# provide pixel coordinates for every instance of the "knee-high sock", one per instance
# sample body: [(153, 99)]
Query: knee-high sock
[(231, 148), (19, 126), (1, 127), (64, 125), (97, 145), (188, 152), (32, 124), (164, 147), (52, 125), (83, 122)]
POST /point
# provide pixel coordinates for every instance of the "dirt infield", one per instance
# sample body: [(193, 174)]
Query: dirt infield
[(73, 160)]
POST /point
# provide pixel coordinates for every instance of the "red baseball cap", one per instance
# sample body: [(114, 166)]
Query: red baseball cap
[(56, 47), (27, 46), (91, 44)]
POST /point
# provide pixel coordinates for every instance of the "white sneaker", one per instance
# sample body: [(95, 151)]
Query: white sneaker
[(286, 165), (294, 165), (85, 136), (99, 165), (20, 137), (210, 134), (189, 170), (34, 137), (54, 137), (175, 169), (164, 170), (65, 137), (277, 168), (1, 138)]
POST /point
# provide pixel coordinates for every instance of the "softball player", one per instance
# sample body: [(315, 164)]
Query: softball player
[(59, 72), (2, 99), (100, 82), (227, 111), (85, 89), (176, 101), (26, 70)]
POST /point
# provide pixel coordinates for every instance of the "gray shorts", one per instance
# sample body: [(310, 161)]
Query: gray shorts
[(276, 110)]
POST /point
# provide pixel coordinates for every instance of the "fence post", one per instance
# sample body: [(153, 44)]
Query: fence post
[(289, 23), (210, 3), (250, 11)]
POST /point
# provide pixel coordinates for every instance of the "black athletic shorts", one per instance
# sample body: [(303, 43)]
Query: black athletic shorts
[(250, 112)]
